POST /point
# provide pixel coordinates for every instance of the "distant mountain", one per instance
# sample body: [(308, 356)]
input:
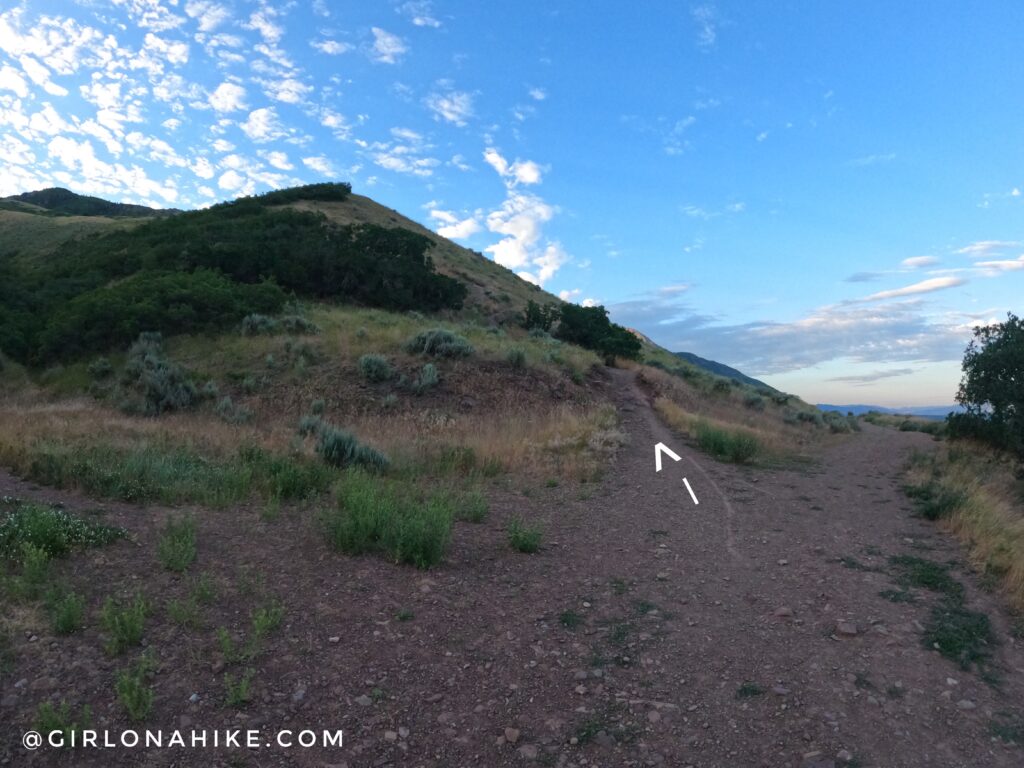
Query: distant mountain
[(721, 369), (60, 201), (924, 411)]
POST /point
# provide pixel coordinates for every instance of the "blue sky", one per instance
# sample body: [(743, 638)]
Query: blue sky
[(824, 195)]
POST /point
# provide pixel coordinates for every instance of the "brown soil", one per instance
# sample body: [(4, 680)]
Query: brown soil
[(705, 635)]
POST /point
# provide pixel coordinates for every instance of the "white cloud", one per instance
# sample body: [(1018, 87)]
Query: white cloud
[(263, 125), (420, 13), (231, 181), (538, 94), (590, 302), (262, 21), (223, 145), (455, 107), (992, 268), (203, 168), (925, 286), (519, 172), (228, 97), (210, 15), (706, 19), (40, 75), (762, 136), (331, 47), (320, 164), (873, 159), (916, 262), (11, 80), (289, 90), (279, 160), (454, 228), (151, 14), (983, 248), (387, 48)]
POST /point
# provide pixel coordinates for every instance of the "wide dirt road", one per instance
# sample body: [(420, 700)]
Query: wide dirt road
[(746, 631)]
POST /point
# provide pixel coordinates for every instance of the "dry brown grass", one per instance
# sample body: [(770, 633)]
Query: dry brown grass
[(990, 515), (684, 406)]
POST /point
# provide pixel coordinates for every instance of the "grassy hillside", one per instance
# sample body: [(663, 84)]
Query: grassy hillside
[(63, 202), (495, 293), (27, 233), (721, 369)]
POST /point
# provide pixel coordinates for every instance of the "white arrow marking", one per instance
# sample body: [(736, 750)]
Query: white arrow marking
[(658, 450), (692, 494)]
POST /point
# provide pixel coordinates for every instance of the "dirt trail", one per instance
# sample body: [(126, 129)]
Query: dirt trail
[(648, 631)]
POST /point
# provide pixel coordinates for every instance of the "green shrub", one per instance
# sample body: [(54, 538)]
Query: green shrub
[(317, 407), (237, 693), (471, 507), (310, 424), (174, 474), (439, 342), (257, 324), (589, 327), (374, 517), (754, 402), (124, 623), (52, 530), (426, 380), (49, 719), (228, 411), (151, 383), (959, 634), (737, 447), (100, 368), (516, 358), (341, 449), (375, 368), (135, 695), (67, 609), (935, 501), (524, 538), (35, 571), (177, 546)]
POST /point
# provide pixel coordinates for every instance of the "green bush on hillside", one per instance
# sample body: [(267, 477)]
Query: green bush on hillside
[(151, 383), (168, 302), (438, 342), (590, 327)]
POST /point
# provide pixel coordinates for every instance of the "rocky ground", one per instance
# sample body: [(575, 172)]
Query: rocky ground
[(746, 631)]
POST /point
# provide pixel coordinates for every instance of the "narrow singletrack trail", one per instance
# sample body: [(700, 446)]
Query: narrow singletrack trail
[(747, 630)]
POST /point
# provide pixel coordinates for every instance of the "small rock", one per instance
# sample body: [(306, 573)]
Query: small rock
[(511, 735), (604, 739), (783, 561), (654, 716), (403, 732), (334, 639), (21, 683), (194, 698), (433, 699), (846, 628), (844, 756), (581, 689), (952, 681), (784, 612), (364, 700), (390, 736), (780, 690), (966, 705), (662, 576), (299, 695)]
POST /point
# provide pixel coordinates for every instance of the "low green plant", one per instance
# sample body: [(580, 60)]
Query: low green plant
[(754, 402), (67, 611), (959, 634), (749, 690), (227, 410), (439, 342), (516, 358), (62, 719), (426, 379), (134, 691), (471, 507), (375, 368), (35, 572), (266, 619), (238, 692), (404, 615), (124, 622), (177, 546), (524, 538), (340, 448), (927, 574), (570, 619), (184, 613), (53, 530), (734, 446), (373, 516)]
